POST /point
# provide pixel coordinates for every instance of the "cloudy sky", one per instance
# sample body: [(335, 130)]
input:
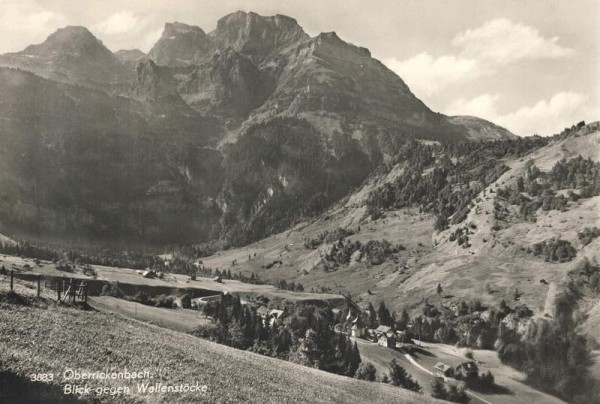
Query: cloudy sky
[(532, 66)]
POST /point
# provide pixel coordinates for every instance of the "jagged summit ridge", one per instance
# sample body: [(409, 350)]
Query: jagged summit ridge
[(255, 35), (180, 45)]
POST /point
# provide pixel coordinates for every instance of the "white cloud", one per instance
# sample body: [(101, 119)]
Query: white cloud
[(502, 41), (545, 117), (481, 52), (428, 75), (483, 106), (25, 22), (150, 39), (123, 22)]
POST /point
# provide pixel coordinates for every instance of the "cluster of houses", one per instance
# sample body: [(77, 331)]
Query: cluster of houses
[(383, 335)]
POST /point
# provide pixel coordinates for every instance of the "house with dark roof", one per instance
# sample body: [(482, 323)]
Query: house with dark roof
[(443, 370), (387, 340), (466, 370)]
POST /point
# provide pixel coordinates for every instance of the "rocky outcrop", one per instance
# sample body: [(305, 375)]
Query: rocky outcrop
[(180, 45), (256, 36), (226, 84)]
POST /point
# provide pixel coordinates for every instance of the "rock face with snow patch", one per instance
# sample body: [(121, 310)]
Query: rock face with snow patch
[(180, 45)]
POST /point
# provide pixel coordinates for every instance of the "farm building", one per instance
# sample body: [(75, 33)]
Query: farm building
[(466, 370), (443, 370), (387, 340), (358, 328), (383, 329)]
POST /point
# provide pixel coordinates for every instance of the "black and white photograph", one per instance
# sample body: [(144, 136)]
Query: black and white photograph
[(316, 201)]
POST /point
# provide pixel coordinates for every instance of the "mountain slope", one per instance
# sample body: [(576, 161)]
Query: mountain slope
[(76, 161), (72, 54), (480, 129), (495, 254)]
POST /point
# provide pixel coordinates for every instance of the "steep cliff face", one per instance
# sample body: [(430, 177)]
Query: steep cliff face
[(180, 45), (153, 82), (226, 84), (256, 36)]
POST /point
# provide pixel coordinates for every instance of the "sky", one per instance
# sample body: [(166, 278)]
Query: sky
[(530, 66)]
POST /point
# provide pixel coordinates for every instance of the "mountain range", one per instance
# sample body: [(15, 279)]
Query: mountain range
[(232, 135)]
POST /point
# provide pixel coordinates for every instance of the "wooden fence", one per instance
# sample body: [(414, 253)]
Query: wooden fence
[(67, 290)]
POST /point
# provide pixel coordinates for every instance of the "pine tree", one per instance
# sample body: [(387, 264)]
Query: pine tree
[(438, 390), (383, 314), (404, 320), (353, 356), (372, 321), (399, 377)]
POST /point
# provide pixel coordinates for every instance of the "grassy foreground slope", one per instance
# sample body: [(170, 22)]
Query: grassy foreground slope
[(41, 337)]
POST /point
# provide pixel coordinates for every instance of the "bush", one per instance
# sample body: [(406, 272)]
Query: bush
[(142, 297), (486, 380), (366, 371), (89, 271), (164, 301), (587, 235), (186, 301), (111, 290)]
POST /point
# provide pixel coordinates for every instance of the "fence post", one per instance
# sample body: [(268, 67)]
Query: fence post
[(39, 285), (58, 288), (12, 275)]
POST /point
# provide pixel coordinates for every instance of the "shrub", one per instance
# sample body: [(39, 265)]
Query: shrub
[(141, 297), (587, 235), (89, 271), (186, 301), (366, 371)]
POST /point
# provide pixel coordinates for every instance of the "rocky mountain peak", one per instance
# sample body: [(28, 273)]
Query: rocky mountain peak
[(180, 45), (255, 35), (129, 55), (174, 28), (331, 41), (71, 40)]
